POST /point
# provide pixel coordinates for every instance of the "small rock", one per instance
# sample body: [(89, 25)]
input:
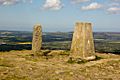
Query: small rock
[(59, 72), (30, 69), (71, 73)]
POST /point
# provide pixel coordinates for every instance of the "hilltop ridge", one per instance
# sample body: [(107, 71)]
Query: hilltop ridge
[(22, 65)]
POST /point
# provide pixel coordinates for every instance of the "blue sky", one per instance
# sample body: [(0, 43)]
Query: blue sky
[(59, 15)]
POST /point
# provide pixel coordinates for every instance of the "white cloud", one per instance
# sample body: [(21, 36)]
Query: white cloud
[(79, 1), (8, 2), (115, 0), (114, 4), (12, 2), (53, 4), (92, 6), (114, 10)]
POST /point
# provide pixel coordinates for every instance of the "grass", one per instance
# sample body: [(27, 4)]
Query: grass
[(23, 65)]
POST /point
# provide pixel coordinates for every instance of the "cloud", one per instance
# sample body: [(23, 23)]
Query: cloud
[(114, 4), (12, 2), (53, 4), (116, 0), (92, 6), (8, 2), (114, 7), (114, 10), (79, 1)]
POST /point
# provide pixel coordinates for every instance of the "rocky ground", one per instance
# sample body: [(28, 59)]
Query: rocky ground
[(23, 65)]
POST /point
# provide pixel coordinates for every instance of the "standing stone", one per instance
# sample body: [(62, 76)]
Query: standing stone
[(82, 43), (37, 39)]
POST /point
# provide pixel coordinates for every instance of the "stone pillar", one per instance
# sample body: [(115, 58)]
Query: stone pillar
[(37, 39), (82, 43)]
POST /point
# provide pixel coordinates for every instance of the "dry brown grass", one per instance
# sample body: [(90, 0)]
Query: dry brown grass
[(23, 65)]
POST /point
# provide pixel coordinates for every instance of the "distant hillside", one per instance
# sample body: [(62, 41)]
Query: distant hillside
[(18, 40), (57, 36)]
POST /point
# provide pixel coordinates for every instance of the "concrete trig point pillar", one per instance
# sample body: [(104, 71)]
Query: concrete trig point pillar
[(37, 39), (82, 43)]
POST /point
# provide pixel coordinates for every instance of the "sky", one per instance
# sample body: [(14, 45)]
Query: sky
[(59, 15)]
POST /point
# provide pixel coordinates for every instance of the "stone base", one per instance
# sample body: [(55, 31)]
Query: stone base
[(90, 58), (81, 60)]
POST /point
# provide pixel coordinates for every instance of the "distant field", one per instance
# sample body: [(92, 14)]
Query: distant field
[(24, 43), (117, 42)]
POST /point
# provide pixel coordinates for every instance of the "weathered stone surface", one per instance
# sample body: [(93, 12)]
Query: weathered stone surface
[(82, 43), (37, 39)]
